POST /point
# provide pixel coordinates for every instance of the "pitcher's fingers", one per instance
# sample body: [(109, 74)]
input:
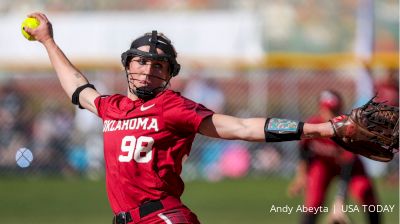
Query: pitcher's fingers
[(40, 16), (28, 30), (45, 18)]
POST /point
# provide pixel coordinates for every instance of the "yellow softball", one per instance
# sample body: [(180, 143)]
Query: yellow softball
[(30, 23)]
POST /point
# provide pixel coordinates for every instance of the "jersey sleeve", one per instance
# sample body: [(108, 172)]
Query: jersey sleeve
[(101, 103), (184, 115)]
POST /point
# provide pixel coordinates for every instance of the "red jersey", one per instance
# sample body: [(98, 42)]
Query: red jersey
[(324, 148), (144, 144)]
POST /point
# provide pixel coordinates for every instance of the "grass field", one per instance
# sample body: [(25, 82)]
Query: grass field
[(75, 201)]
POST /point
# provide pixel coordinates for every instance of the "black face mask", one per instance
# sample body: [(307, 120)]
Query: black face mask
[(145, 93)]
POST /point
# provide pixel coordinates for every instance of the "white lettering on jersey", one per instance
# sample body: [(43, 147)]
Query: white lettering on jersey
[(142, 123), (125, 125), (118, 125), (153, 125), (131, 124)]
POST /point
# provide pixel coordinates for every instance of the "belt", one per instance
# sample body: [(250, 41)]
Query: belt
[(122, 218), (144, 210)]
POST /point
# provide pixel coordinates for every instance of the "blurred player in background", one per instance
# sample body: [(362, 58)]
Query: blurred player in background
[(149, 132), (321, 160), (386, 86)]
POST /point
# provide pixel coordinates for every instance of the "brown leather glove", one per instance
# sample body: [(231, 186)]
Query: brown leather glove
[(371, 131)]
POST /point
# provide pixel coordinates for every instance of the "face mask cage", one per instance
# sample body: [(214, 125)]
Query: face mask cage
[(154, 41), (145, 92)]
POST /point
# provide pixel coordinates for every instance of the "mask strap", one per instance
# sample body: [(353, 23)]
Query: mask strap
[(153, 42)]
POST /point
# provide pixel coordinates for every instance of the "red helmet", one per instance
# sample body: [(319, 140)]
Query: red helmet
[(331, 100)]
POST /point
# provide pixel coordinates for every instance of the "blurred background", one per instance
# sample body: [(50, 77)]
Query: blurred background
[(239, 57)]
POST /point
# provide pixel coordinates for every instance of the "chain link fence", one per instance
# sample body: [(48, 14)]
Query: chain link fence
[(36, 114)]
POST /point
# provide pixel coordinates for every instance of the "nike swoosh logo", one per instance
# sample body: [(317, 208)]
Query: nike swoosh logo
[(143, 108)]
